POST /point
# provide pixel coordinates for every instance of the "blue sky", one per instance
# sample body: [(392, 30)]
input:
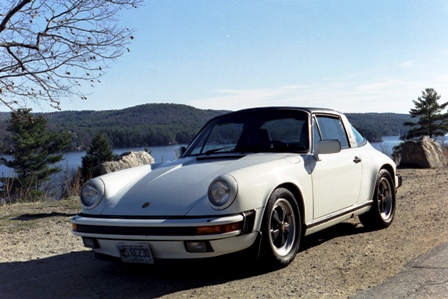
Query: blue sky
[(353, 56)]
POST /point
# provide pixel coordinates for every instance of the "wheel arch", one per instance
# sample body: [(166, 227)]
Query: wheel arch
[(374, 178), (382, 211), (391, 171), (299, 199), (277, 246)]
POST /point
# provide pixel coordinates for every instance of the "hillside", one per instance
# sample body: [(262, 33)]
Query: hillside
[(143, 125), (163, 124), (375, 125)]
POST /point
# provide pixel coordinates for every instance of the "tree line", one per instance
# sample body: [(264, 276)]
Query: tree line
[(165, 124), (143, 125)]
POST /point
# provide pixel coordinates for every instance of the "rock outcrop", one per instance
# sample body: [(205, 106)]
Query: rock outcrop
[(124, 161), (424, 153)]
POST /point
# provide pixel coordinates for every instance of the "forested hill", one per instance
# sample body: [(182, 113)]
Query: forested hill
[(376, 125), (163, 124), (143, 125)]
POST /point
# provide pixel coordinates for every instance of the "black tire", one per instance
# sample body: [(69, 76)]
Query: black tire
[(281, 229), (382, 212)]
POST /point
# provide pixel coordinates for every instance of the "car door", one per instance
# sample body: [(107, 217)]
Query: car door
[(336, 177)]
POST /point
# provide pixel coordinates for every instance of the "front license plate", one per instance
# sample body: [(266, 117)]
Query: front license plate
[(135, 253)]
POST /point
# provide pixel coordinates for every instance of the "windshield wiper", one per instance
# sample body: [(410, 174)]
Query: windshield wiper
[(227, 149)]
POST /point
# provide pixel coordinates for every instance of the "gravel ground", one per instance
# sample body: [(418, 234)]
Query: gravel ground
[(43, 258)]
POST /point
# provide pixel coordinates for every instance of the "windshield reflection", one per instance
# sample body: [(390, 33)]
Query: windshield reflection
[(253, 132)]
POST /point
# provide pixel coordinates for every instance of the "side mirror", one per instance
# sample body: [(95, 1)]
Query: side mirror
[(327, 147), (179, 151)]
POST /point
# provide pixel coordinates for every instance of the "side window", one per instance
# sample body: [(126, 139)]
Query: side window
[(360, 140), (332, 128)]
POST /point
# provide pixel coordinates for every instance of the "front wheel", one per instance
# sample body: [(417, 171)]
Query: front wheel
[(281, 229), (382, 212)]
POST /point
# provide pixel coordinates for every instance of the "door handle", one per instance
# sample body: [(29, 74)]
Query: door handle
[(357, 160)]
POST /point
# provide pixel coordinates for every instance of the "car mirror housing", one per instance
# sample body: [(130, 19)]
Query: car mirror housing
[(179, 151), (327, 147)]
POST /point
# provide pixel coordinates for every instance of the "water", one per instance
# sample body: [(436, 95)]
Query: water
[(387, 145), (390, 141), (73, 159), (166, 153)]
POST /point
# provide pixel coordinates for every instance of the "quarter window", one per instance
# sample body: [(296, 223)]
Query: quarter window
[(360, 140)]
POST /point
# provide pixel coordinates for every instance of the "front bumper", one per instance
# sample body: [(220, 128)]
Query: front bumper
[(168, 238)]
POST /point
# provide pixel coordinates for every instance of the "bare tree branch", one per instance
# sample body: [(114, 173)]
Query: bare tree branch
[(49, 47), (12, 12)]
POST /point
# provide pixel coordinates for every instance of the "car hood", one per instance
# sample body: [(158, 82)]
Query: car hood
[(174, 188)]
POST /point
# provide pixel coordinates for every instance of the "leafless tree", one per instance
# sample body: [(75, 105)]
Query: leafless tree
[(48, 48)]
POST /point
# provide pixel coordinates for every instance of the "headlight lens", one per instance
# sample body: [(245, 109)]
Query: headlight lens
[(92, 193), (222, 192), (219, 193)]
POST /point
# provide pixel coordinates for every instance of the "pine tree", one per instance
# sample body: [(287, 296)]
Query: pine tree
[(34, 150), (431, 121), (99, 151)]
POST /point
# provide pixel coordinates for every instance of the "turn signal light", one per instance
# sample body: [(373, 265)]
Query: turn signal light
[(218, 229)]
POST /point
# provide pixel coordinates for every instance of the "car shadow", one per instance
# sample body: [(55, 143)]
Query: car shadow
[(80, 275), (29, 217), (338, 230)]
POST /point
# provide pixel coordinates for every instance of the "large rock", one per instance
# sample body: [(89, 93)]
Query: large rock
[(124, 161), (424, 153)]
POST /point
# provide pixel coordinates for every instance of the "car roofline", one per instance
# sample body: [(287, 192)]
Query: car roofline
[(310, 110)]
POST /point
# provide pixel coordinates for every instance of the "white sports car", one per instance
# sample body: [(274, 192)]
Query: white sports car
[(255, 180)]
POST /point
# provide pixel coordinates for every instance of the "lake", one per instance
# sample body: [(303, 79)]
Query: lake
[(387, 144), (73, 159), (166, 153)]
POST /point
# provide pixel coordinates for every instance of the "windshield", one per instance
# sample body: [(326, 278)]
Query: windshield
[(254, 131)]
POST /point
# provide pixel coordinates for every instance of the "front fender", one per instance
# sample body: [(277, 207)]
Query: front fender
[(256, 183)]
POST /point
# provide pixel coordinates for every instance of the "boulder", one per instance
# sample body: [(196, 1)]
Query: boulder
[(124, 161), (424, 153)]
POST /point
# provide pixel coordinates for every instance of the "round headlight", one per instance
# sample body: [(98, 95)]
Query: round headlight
[(219, 193), (92, 193), (222, 192)]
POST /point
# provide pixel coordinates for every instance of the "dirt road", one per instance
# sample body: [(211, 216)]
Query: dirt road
[(46, 260)]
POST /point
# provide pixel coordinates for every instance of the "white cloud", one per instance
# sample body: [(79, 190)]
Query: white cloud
[(234, 99), (374, 95), (408, 63)]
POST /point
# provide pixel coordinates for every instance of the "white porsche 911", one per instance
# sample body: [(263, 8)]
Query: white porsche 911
[(255, 180)]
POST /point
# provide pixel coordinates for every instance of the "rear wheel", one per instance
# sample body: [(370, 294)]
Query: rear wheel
[(281, 228), (382, 212)]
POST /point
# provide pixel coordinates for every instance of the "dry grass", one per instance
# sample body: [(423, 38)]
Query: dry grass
[(63, 185), (22, 216)]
